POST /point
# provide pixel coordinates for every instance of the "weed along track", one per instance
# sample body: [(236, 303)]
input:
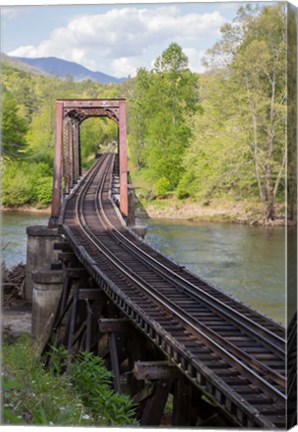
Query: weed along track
[(221, 348)]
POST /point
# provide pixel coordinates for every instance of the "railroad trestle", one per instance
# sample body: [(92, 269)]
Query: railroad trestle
[(162, 330)]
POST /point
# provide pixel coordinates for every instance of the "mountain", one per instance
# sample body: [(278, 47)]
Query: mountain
[(18, 64), (62, 68)]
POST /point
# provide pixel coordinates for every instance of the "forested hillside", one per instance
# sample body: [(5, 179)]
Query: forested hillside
[(193, 138), (222, 134)]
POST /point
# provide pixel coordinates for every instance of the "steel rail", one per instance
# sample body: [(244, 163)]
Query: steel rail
[(174, 309), (222, 308), (279, 379)]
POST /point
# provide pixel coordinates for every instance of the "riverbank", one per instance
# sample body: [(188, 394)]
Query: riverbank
[(244, 212), (27, 209)]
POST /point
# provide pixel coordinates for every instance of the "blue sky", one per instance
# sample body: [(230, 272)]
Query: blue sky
[(115, 39)]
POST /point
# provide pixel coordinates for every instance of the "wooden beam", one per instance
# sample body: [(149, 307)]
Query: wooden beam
[(155, 370), (90, 293), (66, 256), (154, 406), (63, 246), (76, 273), (115, 361), (183, 411), (144, 393), (113, 325)]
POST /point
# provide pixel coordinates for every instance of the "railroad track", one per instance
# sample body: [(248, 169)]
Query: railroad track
[(232, 353)]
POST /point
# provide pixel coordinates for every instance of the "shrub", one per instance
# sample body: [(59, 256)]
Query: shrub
[(16, 186), (26, 182), (162, 186), (36, 396), (186, 185), (94, 382), (44, 190)]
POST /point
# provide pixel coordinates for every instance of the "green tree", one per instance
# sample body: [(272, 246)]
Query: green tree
[(165, 99), (94, 134), (14, 129), (138, 111), (253, 49)]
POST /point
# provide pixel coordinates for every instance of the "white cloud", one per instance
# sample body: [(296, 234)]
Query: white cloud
[(124, 66), (195, 59), (123, 39)]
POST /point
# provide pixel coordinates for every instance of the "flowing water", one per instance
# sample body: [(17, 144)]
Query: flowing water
[(246, 262), (14, 237)]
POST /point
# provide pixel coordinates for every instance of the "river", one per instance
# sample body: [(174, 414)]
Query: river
[(246, 262)]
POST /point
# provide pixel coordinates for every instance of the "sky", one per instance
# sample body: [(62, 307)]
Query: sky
[(114, 39)]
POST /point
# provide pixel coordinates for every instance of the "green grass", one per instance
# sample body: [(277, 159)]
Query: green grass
[(80, 397)]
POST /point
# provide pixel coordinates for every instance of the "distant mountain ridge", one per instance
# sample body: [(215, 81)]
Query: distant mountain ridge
[(61, 68), (18, 64)]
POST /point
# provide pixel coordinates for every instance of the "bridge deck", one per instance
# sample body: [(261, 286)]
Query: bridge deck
[(233, 354)]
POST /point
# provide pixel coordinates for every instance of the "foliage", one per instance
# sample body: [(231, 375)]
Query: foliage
[(81, 396), (13, 130), (94, 382), (159, 128), (24, 182), (238, 146), (35, 396), (28, 127), (96, 133), (162, 186)]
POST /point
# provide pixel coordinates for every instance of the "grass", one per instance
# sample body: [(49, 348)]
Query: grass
[(33, 395)]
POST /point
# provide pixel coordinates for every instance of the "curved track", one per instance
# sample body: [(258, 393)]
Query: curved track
[(232, 353)]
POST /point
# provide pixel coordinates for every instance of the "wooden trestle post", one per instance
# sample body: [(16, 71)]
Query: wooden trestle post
[(115, 328), (155, 404), (183, 413)]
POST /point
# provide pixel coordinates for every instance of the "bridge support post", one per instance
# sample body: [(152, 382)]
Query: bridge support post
[(123, 159), (58, 159), (40, 252), (76, 139), (47, 289), (183, 413)]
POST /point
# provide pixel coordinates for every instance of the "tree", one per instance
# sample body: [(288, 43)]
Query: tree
[(14, 129), (292, 113), (253, 50), (94, 134), (137, 113), (164, 100)]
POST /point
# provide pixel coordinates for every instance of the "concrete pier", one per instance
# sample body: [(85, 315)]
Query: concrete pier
[(40, 252), (47, 288)]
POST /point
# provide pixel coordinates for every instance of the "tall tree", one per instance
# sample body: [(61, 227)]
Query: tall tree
[(165, 98), (254, 49), (14, 129)]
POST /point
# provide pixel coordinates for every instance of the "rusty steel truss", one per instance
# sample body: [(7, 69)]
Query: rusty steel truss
[(70, 113)]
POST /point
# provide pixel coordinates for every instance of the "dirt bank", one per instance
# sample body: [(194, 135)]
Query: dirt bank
[(26, 209), (215, 211)]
